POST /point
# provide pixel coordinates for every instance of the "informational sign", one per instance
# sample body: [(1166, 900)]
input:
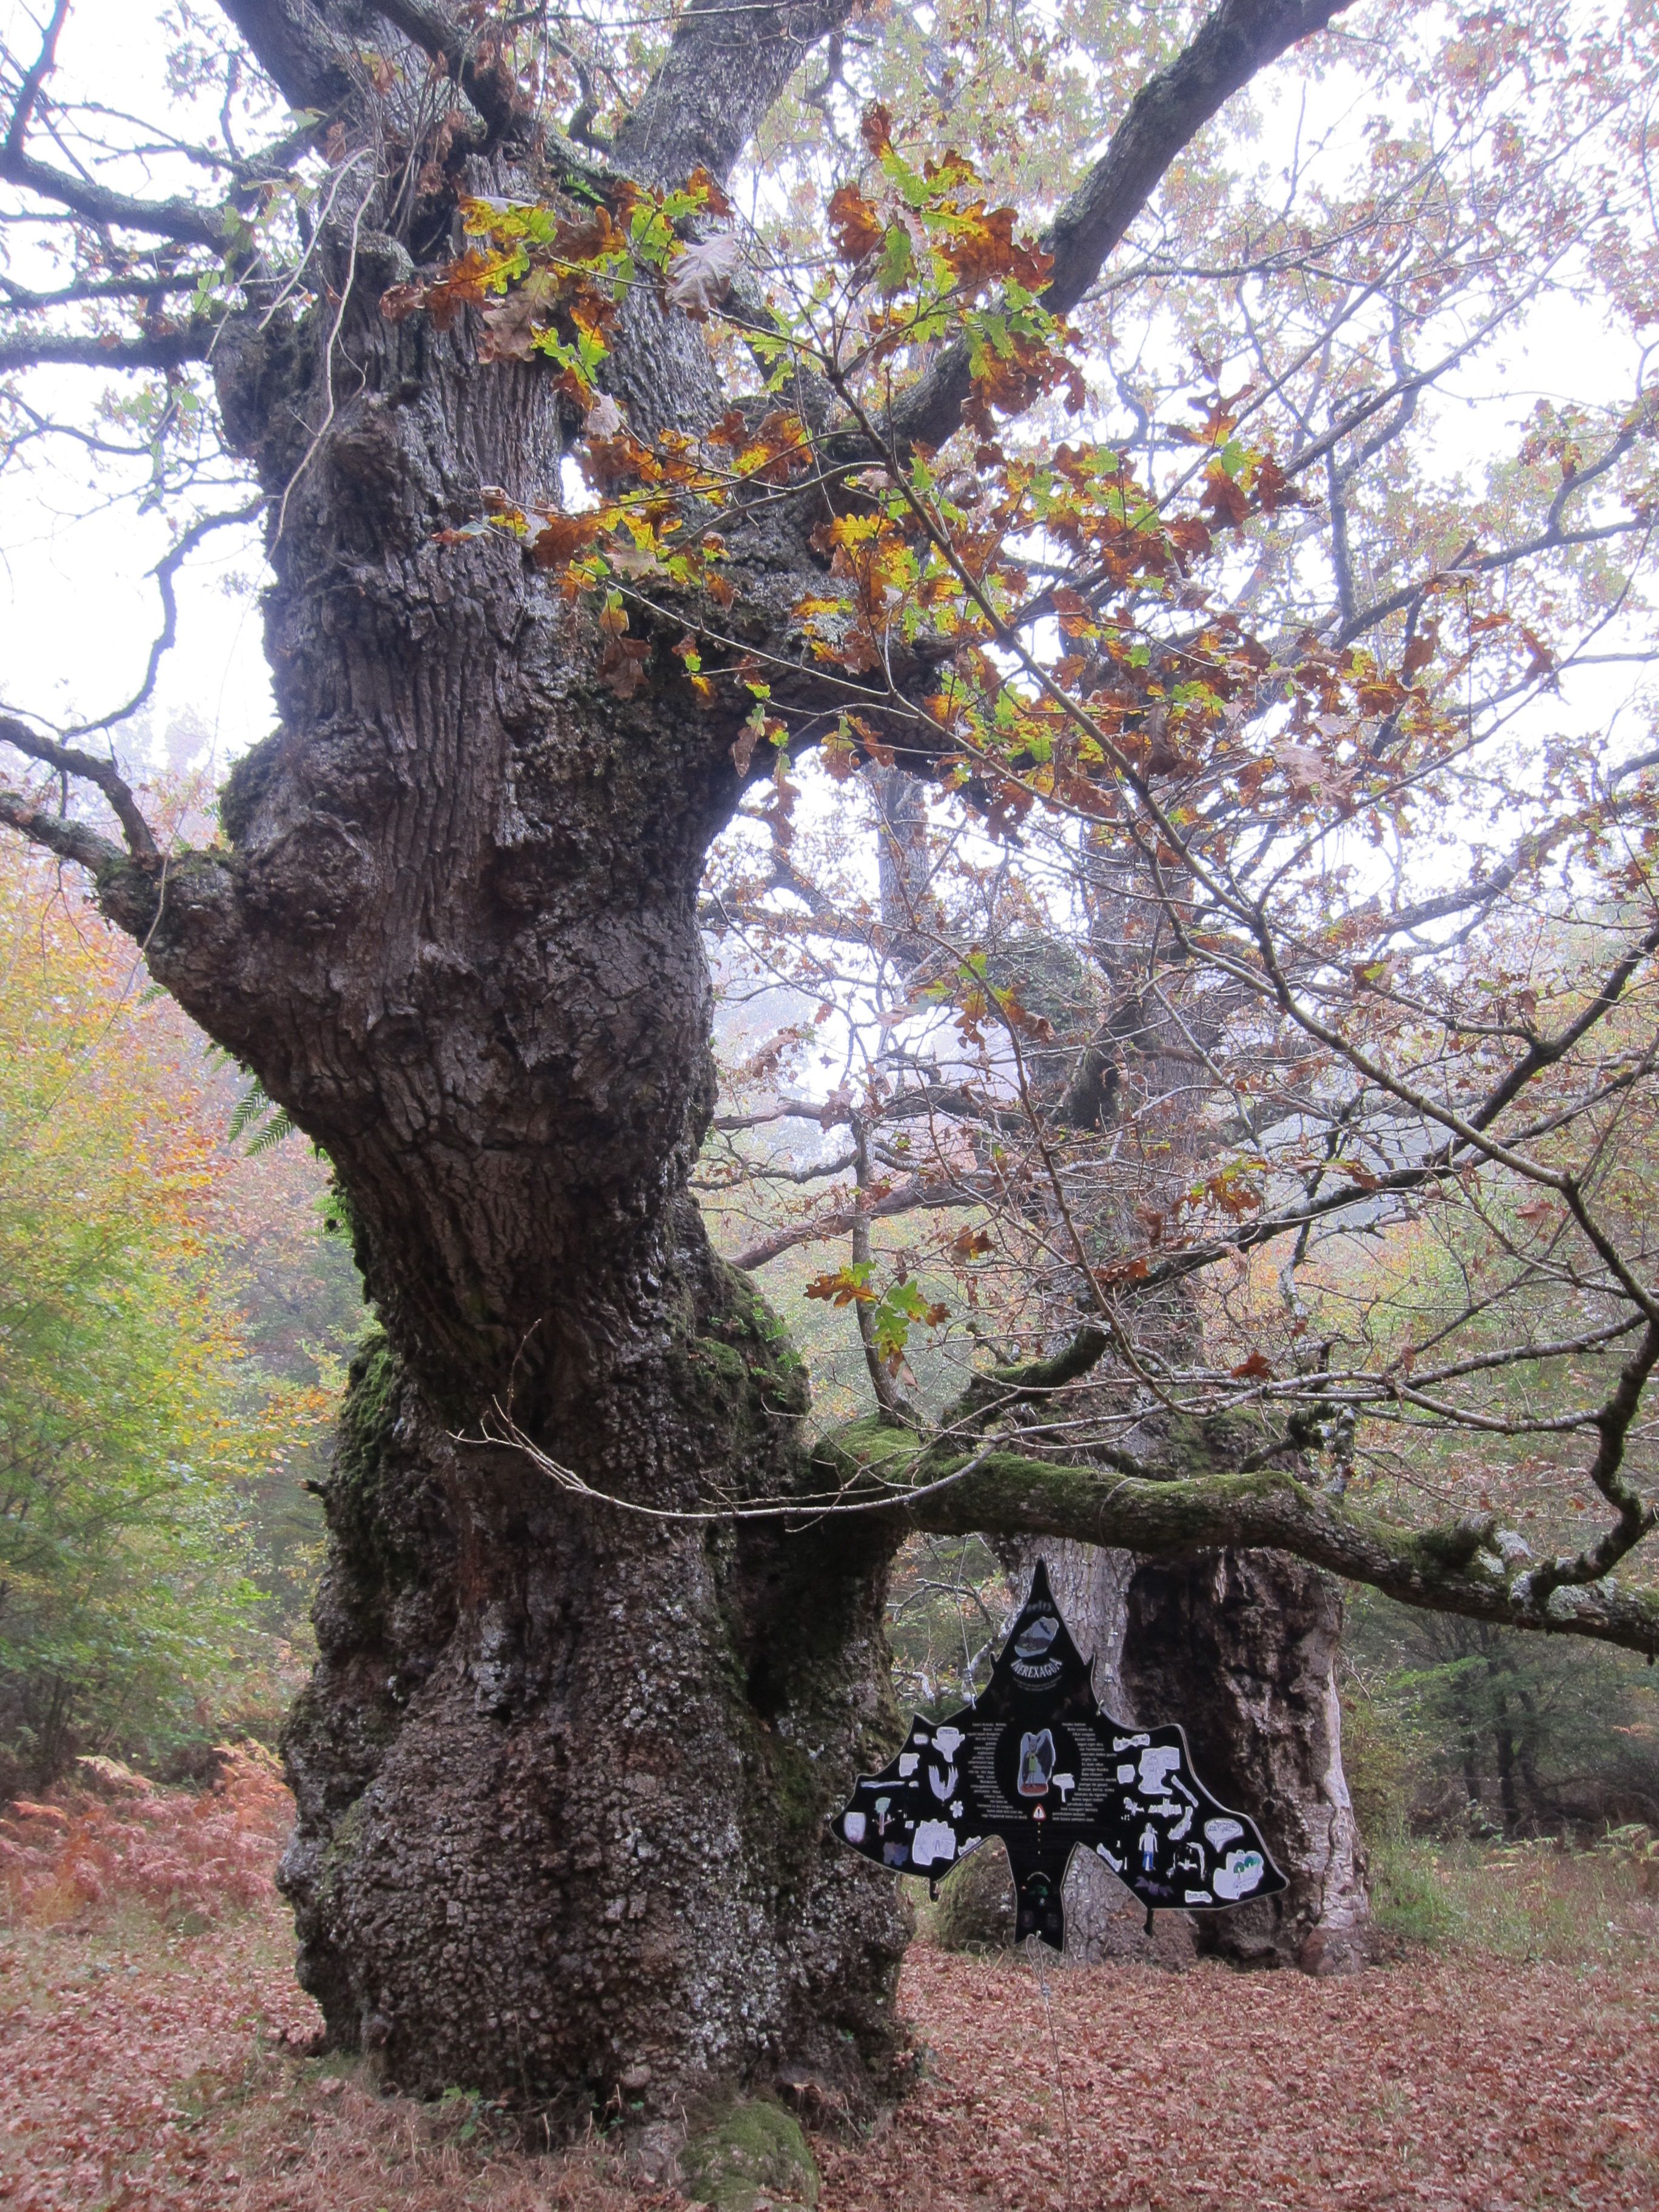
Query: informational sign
[(1036, 1761)]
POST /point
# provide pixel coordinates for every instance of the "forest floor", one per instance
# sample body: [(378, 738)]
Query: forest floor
[(156, 2053)]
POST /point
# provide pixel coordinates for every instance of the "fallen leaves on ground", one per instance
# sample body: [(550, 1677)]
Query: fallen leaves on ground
[(1442, 2085), (158, 2054)]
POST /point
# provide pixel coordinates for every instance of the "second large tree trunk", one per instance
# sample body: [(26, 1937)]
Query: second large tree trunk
[(1241, 1647)]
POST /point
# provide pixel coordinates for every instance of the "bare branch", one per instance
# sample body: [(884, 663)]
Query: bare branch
[(164, 572), (29, 91), (184, 220), (914, 1195), (23, 301), (87, 768)]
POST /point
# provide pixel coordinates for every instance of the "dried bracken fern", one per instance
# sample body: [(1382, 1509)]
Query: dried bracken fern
[(175, 1851)]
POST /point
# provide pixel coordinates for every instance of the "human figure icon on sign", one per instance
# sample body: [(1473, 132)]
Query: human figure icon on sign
[(1037, 1761), (1150, 1840)]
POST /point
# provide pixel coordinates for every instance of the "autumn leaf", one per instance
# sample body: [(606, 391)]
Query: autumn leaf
[(855, 224), (982, 250), (510, 328), (621, 665), (703, 275), (1258, 1368), (876, 129), (847, 1287), (703, 188), (759, 724), (562, 538), (1225, 497), (898, 260)]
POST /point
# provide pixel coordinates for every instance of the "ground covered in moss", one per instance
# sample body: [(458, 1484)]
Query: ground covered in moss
[(156, 2053)]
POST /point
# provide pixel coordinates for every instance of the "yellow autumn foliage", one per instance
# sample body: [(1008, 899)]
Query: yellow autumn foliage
[(126, 1423)]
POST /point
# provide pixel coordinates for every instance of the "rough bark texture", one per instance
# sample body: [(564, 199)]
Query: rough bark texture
[(561, 1779), (561, 1783), (1241, 1647)]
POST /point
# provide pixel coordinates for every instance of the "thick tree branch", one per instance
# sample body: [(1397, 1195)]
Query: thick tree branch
[(723, 71), (306, 57), (481, 72), (20, 298), (87, 768), (165, 349), (989, 1395), (70, 840), (1475, 1567), (1241, 37), (183, 220)]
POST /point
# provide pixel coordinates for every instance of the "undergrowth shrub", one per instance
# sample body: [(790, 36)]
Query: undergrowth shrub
[(174, 1850), (1533, 1899)]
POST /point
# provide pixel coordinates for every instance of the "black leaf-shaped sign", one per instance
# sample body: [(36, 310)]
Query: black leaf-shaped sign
[(1034, 1760)]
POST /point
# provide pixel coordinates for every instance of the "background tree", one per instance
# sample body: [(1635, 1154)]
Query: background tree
[(131, 1433), (595, 1658)]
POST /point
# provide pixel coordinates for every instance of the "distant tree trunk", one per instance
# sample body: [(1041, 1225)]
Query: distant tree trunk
[(1241, 1647)]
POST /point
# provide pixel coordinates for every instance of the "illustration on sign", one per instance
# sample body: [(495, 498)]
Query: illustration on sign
[(1034, 1760)]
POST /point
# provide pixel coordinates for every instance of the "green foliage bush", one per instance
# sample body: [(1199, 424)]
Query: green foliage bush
[(1454, 1728), (127, 1590)]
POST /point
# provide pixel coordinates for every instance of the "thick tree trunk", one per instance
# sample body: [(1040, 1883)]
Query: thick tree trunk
[(562, 1776), (1240, 1647), (563, 1771)]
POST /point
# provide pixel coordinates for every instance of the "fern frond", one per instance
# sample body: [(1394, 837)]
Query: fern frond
[(280, 1125)]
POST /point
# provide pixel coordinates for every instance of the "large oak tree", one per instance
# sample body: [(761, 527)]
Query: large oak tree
[(600, 1642)]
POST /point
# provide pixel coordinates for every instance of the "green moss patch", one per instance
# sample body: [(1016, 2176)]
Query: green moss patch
[(754, 2155)]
